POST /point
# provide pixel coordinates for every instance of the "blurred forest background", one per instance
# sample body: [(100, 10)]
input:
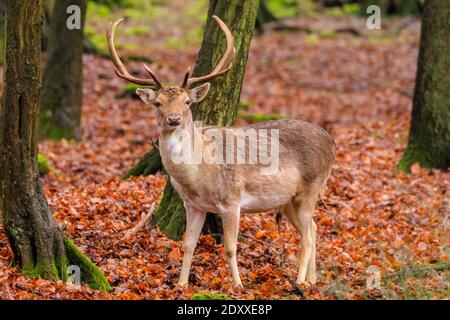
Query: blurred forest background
[(310, 60)]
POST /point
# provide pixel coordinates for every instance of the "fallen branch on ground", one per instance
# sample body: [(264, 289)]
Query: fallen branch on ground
[(141, 223)]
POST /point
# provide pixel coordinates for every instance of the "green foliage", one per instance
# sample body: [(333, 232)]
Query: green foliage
[(138, 31), (97, 41), (43, 165), (351, 8), (210, 296), (283, 8), (307, 8), (193, 37)]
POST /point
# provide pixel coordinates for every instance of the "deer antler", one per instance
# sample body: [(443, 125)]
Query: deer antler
[(224, 64), (120, 69)]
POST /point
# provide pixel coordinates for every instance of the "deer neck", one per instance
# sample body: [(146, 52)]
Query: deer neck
[(174, 146)]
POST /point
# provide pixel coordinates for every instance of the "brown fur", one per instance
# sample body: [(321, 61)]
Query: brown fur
[(306, 155)]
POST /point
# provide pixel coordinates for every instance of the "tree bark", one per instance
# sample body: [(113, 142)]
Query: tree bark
[(220, 106), (429, 138), (2, 31), (63, 75), (38, 243)]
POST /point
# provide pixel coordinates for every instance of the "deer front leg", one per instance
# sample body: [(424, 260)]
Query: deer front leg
[(194, 223), (230, 220)]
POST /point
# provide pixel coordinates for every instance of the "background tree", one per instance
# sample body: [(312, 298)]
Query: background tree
[(429, 138), (2, 30), (264, 15), (219, 107), (62, 90), (37, 241)]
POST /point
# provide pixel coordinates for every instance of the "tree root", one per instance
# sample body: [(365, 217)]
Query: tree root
[(90, 273)]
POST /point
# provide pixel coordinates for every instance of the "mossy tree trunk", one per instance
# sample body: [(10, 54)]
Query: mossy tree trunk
[(38, 243), (62, 90), (389, 7), (2, 31), (220, 106), (429, 138)]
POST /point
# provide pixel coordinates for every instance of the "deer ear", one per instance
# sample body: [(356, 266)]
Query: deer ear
[(199, 93), (147, 95)]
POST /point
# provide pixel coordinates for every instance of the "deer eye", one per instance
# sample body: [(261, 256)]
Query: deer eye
[(158, 104), (188, 102)]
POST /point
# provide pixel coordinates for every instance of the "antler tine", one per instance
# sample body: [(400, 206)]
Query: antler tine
[(153, 75), (227, 59), (186, 78), (120, 69)]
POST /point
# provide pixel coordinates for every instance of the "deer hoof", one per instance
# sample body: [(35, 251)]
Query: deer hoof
[(303, 284)]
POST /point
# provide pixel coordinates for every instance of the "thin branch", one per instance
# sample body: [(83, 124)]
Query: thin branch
[(141, 223)]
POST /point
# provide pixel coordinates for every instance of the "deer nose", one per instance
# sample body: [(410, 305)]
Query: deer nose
[(174, 119)]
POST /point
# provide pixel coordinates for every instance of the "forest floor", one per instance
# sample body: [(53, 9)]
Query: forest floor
[(357, 87)]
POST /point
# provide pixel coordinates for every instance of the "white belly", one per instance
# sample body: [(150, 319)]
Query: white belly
[(251, 203)]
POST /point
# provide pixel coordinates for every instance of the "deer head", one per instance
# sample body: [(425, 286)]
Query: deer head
[(173, 102)]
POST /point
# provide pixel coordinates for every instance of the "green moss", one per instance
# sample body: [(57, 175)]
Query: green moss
[(244, 105), (417, 151), (149, 164), (41, 270), (53, 271), (352, 8), (334, 11), (260, 117), (43, 165), (54, 131), (210, 296), (2, 49), (327, 33), (90, 273), (170, 216), (130, 91), (283, 8)]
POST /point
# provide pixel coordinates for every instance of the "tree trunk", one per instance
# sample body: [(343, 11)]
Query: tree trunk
[(429, 138), (220, 106), (62, 90), (2, 31), (38, 243)]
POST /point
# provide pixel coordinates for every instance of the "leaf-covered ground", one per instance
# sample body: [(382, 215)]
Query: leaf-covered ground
[(357, 87)]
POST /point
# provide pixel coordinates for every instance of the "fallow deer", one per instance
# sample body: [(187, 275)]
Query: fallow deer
[(306, 154)]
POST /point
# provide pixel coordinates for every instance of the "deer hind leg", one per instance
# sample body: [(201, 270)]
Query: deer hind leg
[(311, 271), (300, 213), (230, 221), (194, 223)]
